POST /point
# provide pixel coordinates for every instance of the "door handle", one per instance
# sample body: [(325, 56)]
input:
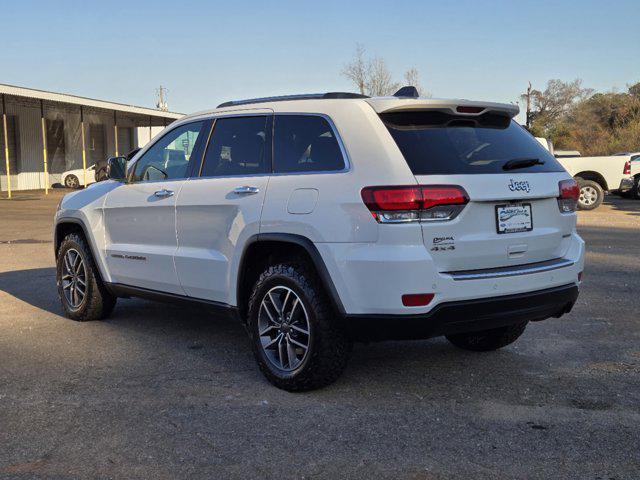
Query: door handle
[(246, 190), (164, 193)]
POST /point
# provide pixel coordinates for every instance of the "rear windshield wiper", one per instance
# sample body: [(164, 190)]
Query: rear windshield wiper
[(522, 163)]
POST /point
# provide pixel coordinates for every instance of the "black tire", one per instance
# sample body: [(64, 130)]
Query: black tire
[(591, 194), (635, 191), (97, 303), (488, 340), (328, 345), (72, 182)]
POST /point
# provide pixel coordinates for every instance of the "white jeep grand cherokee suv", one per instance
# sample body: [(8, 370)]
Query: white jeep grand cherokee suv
[(319, 220)]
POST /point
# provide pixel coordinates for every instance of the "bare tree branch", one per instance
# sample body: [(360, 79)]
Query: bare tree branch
[(372, 76), (412, 77), (358, 69), (380, 82)]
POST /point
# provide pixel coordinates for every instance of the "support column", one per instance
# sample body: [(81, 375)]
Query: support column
[(6, 145), (150, 121), (44, 148), (84, 149), (115, 131)]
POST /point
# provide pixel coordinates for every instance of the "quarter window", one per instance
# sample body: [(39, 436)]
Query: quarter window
[(169, 157), (305, 143), (238, 146)]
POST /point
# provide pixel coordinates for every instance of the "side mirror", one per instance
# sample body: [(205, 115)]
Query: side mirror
[(117, 168)]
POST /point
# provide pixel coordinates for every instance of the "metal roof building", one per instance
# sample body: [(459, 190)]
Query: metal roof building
[(45, 133)]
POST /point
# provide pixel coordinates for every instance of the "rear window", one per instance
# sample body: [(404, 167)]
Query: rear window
[(436, 143), (305, 143)]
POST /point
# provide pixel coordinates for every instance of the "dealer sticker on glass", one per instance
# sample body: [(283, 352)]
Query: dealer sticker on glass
[(513, 218)]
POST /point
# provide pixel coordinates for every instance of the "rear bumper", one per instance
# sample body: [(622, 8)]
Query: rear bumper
[(465, 316), (626, 184)]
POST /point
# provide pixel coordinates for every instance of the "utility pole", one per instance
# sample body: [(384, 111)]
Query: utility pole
[(161, 102), (528, 96)]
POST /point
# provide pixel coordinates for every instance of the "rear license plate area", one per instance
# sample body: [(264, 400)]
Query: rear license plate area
[(514, 218)]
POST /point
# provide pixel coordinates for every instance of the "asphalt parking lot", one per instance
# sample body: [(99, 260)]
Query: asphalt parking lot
[(164, 391)]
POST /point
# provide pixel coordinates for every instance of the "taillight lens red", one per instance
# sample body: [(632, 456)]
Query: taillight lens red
[(443, 195), (392, 198), (569, 194), (399, 204), (627, 168)]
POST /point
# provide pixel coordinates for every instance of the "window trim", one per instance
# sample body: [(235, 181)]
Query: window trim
[(346, 160), (149, 146), (197, 173)]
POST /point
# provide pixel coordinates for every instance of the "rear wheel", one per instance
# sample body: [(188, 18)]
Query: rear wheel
[(82, 293), (487, 340), (297, 340), (71, 181), (591, 194)]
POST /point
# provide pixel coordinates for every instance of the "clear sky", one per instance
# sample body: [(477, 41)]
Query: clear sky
[(206, 52)]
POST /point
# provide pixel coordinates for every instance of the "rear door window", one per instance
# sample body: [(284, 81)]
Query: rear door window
[(305, 143), (437, 143)]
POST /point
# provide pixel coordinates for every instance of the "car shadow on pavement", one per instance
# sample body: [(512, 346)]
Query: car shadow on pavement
[(36, 286), (627, 205), (181, 331)]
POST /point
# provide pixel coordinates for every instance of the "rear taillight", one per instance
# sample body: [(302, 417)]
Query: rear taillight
[(417, 299), (569, 194), (627, 168), (428, 203)]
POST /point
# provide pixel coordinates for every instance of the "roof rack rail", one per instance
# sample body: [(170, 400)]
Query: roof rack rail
[(284, 98)]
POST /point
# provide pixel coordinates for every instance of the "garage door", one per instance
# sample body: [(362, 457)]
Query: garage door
[(96, 145), (125, 140)]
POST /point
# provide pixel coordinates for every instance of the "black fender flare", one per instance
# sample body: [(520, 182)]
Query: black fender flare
[(314, 254), (85, 231)]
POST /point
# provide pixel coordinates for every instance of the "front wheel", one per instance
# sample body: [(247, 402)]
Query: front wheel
[(488, 340), (591, 194), (297, 339), (82, 293)]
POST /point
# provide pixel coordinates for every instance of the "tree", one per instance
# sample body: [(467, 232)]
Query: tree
[(602, 124), (380, 82), (412, 77), (358, 69), (372, 76), (558, 96), (549, 105)]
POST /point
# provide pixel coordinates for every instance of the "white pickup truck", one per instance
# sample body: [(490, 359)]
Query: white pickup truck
[(595, 175), (634, 158)]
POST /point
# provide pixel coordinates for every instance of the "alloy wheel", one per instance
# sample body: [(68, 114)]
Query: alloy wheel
[(74, 278), (588, 195), (72, 181), (284, 328)]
